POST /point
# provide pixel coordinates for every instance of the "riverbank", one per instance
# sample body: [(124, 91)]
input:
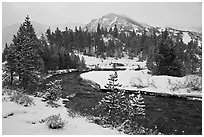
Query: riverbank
[(188, 86), (26, 120)]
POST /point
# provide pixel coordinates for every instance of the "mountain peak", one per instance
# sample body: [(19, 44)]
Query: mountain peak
[(108, 21), (111, 15)]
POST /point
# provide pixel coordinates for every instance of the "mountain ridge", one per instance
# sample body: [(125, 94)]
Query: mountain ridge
[(124, 23)]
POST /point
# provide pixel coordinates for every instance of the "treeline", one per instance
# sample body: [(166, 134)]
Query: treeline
[(165, 54), (56, 57)]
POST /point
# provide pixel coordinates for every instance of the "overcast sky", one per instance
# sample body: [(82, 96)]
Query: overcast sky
[(156, 14)]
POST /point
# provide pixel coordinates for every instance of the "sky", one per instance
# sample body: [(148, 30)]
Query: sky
[(156, 13)]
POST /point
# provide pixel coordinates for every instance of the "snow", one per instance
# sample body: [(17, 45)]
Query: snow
[(141, 80), (20, 123), (114, 21), (92, 62), (186, 38), (199, 43)]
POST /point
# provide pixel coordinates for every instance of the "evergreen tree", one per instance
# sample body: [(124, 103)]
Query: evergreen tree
[(50, 36), (119, 109), (10, 58), (5, 52), (99, 30), (66, 39), (191, 61), (45, 53), (110, 48), (83, 63), (167, 62), (115, 31), (27, 60), (113, 84), (58, 39)]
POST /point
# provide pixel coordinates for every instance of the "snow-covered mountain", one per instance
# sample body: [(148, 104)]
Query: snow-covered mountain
[(108, 21), (186, 35), (127, 24)]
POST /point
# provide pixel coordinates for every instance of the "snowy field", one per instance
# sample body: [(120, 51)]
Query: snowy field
[(93, 62), (134, 80), (19, 120)]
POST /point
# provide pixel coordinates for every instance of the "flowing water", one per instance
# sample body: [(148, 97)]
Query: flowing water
[(173, 115)]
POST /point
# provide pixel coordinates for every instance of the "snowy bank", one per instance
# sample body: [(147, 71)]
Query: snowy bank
[(20, 120), (93, 62), (141, 80)]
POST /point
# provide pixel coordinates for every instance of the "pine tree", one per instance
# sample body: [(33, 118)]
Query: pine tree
[(99, 29), (45, 53), (66, 39), (110, 48), (118, 108), (50, 36), (115, 31), (136, 106), (113, 84), (163, 59), (5, 52), (27, 61), (10, 58), (83, 63), (191, 61), (58, 39)]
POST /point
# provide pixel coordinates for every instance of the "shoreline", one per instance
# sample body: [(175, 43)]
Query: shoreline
[(162, 88)]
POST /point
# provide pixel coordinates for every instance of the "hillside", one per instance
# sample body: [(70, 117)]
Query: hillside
[(9, 31), (108, 21), (126, 24)]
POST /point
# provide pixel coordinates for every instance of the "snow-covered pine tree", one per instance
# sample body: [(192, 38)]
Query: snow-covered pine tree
[(136, 105), (109, 107), (119, 108), (53, 91), (113, 84), (26, 61)]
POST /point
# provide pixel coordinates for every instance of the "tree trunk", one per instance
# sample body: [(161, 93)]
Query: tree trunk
[(11, 79)]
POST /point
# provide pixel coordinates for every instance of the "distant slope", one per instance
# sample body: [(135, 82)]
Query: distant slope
[(127, 24), (63, 26), (9, 31)]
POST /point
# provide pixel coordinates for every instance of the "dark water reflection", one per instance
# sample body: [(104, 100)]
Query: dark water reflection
[(174, 116)]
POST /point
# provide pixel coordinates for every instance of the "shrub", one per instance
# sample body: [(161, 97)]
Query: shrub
[(53, 92), (139, 82), (22, 99), (55, 122), (194, 82), (175, 85)]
